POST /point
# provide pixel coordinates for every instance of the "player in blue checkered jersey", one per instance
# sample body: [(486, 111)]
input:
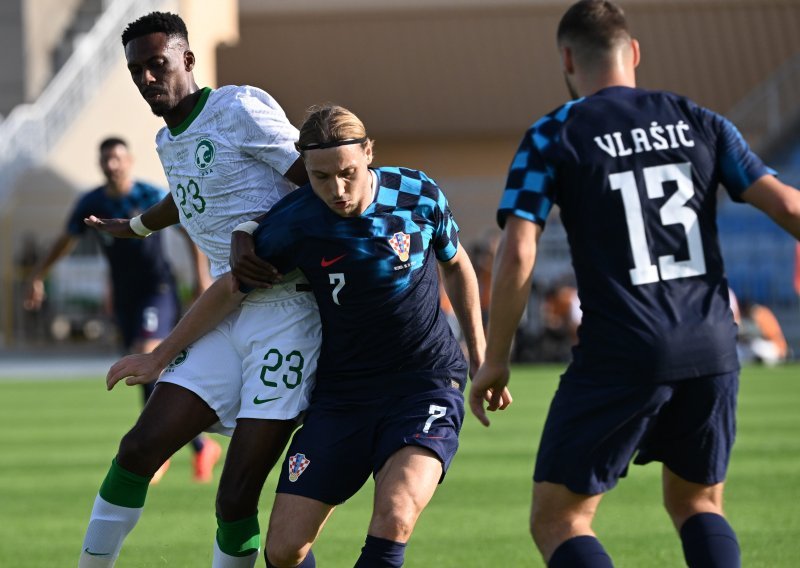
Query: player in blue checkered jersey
[(655, 372), (388, 399), (390, 374)]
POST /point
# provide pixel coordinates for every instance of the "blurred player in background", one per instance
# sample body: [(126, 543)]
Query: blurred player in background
[(655, 371), (228, 155), (144, 296)]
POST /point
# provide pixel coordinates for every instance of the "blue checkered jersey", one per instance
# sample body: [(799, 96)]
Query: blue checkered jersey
[(635, 174), (138, 267), (375, 280)]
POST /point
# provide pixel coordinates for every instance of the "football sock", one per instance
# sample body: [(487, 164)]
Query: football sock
[(308, 562), (116, 510), (580, 552), (709, 542), (380, 553), (237, 544)]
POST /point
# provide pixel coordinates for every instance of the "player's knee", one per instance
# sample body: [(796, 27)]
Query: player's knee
[(141, 447), (394, 520), (235, 502), (548, 528), (397, 528), (285, 552)]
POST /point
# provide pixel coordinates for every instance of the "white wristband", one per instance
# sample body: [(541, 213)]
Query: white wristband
[(138, 227), (248, 227)]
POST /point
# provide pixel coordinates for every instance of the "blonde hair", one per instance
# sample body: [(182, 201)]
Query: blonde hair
[(329, 125)]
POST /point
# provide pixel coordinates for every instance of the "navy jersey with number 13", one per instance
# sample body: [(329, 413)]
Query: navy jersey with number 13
[(635, 174), (375, 280)]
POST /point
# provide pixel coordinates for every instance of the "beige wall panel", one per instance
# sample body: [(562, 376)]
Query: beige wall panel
[(45, 22), (451, 91), (116, 109), (494, 70)]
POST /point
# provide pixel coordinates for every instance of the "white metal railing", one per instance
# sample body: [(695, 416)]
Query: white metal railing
[(31, 130), (768, 109)]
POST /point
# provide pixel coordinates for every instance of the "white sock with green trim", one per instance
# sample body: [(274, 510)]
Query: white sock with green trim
[(108, 527), (116, 511), (222, 560)]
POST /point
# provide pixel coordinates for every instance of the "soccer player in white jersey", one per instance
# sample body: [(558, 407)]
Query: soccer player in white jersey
[(227, 154)]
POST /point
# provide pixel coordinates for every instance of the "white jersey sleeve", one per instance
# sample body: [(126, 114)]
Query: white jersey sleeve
[(263, 130)]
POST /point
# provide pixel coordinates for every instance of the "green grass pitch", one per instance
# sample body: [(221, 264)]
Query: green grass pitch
[(57, 438)]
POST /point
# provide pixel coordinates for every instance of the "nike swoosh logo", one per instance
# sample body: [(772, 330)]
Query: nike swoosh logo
[(325, 263), (257, 400), (90, 553)]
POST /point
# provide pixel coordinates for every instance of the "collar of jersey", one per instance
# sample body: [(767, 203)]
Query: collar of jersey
[(187, 122)]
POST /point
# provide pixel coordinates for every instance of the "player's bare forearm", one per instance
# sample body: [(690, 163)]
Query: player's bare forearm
[(35, 293), (204, 315), (246, 265), (778, 200), (461, 285), (511, 286), (161, 215)]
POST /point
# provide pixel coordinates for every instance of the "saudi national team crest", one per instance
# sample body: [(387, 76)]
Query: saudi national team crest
[(204, 154), (401, 243), (297, 465), (178, 361)]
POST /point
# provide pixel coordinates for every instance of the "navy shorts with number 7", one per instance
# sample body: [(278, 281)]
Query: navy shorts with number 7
[(340, 445)]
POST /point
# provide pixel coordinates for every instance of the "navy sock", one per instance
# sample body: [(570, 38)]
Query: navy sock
[(709, 542), (381, 553), (580, 552), (308, 562)]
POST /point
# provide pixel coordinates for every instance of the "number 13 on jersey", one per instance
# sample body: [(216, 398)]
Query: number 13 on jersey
[(672, 212)]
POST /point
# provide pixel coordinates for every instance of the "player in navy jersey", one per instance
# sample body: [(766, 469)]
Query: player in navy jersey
[(388, 399), (144, 296), (654, 374)]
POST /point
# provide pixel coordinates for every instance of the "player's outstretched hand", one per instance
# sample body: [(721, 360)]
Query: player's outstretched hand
[(118, 228), (489, 385), (135, 369), (247, 267)]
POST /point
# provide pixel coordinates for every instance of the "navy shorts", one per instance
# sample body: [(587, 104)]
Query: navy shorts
[(150, 317), (333, 454), (592, 431)]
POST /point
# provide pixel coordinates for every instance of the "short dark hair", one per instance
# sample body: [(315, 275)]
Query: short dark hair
[(592, 26), (110, 142), (156, 22)]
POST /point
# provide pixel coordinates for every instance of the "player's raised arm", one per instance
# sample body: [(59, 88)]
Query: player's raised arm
[(204, 315), (461, 285), (511, 284), (778, 200), (35, 293), (160, 216)]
